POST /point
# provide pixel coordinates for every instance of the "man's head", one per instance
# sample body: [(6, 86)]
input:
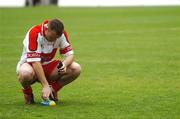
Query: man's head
[(54, 30)]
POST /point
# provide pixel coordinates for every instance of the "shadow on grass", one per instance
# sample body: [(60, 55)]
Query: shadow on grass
[(61, 103)]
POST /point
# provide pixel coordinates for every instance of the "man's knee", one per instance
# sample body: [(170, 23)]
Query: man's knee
[(76, 68), (25, 75)]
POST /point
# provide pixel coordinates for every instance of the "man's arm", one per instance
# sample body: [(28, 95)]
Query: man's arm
[(41, 77), (68, 60), (66, 51)]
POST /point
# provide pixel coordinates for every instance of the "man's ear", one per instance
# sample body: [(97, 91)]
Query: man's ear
[(45, 26)]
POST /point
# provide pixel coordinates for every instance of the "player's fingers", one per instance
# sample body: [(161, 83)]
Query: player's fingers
[(45, 96), (62, 71), (51, 94)]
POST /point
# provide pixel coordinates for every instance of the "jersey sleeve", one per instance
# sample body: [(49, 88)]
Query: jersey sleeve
[(65, 46), (33, 46)]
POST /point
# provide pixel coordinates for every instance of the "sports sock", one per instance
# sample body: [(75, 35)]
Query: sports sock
[(56, 86), (27, 90)]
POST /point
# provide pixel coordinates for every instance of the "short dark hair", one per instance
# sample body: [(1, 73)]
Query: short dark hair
[(56, 25)]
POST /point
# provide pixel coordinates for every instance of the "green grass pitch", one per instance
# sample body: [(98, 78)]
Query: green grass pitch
[(130, 60)]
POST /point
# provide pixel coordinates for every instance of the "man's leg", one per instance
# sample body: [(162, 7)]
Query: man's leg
[(73, 71), (26, 76)]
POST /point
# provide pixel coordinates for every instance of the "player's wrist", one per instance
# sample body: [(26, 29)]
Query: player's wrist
[(44, 83)]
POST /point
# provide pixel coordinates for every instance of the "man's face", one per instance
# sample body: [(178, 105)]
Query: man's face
[(50, 35)]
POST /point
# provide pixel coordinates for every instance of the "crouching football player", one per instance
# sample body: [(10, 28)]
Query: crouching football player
[(37, 64)]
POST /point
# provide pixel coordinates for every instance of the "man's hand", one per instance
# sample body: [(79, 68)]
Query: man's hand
[(46, 91), (61, 68)]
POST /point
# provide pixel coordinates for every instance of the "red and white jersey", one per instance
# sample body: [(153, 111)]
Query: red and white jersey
[(37, 48)]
